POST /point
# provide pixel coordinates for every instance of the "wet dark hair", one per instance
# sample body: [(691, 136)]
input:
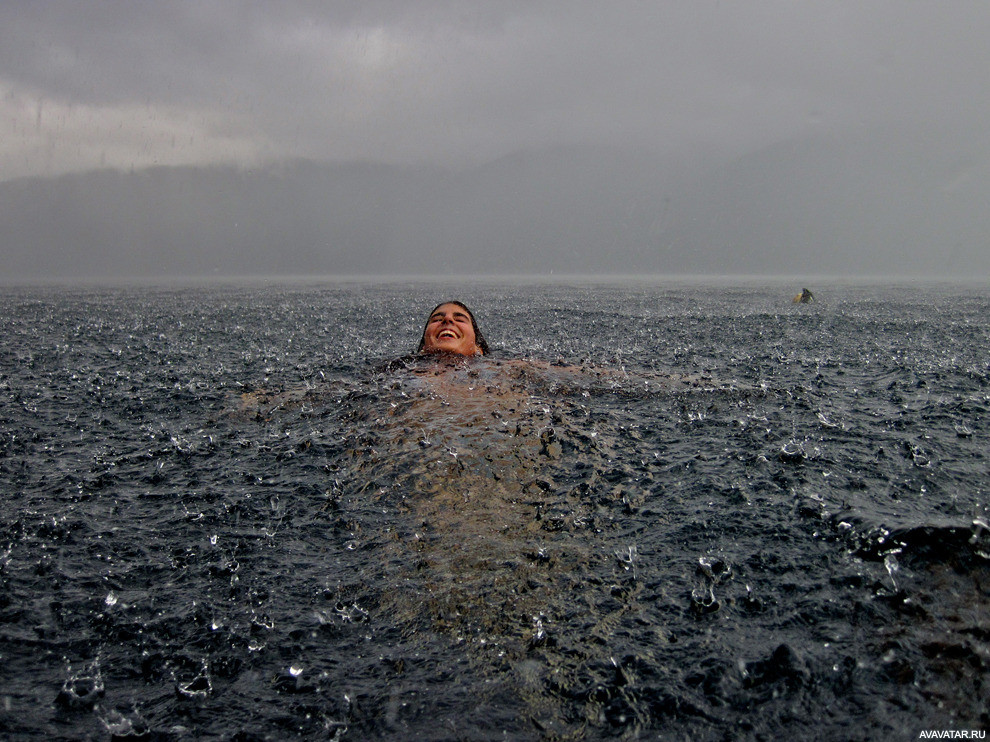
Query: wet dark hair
[(479, 339)]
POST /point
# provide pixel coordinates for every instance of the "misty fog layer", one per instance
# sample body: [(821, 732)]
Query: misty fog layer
[(862, 204)]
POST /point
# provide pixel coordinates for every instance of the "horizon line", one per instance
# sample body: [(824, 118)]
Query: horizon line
[(541, 278)]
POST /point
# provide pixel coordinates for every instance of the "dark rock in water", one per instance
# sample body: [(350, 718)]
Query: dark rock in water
[(963, 546), (955, 544)]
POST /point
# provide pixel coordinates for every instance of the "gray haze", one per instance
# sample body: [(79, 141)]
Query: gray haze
[(217, 137)]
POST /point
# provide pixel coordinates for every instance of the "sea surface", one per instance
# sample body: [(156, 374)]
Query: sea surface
[(659, 510)]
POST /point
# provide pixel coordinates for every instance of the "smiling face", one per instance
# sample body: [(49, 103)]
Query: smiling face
[(450, 330)]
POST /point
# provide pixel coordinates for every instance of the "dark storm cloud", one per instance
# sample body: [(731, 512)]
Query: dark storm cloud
[(467, 81), (658, 135)]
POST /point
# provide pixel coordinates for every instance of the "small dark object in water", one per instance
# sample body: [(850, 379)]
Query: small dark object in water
[(804, 297), (784, 664)]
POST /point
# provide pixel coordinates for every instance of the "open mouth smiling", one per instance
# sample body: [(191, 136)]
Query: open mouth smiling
[(450, 329)]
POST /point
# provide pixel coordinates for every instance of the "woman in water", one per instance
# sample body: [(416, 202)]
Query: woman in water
[(451, 332), (451, 328)]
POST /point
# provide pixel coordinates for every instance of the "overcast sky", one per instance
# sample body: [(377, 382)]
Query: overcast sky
[(87, 84)]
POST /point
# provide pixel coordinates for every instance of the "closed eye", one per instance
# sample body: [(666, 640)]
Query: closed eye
[(456, 318)]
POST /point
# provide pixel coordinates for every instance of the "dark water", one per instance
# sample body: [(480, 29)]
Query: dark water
[(723, 516)]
